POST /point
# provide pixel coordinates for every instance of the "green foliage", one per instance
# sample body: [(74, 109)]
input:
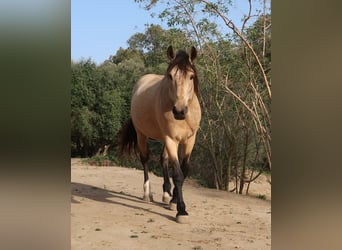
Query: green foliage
[(124, 54), (261, 196), (96, 108), (99, 160), (200, 180)]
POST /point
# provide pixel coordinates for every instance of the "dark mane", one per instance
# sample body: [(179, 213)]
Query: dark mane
[(183, 63)]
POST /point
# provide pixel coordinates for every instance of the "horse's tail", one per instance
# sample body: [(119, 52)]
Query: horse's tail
[(127, 138)]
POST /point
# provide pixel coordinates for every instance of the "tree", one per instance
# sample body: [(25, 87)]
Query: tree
[(96, 108)]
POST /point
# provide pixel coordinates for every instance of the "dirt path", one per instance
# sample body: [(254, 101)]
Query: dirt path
[(107, 212)]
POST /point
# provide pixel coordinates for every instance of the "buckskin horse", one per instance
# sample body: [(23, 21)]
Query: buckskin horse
[(166, 108)]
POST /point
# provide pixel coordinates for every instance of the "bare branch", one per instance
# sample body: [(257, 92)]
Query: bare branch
[(232, 26)]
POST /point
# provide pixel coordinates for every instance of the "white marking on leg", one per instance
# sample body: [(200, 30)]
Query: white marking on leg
[(166, 198), (147, 188), (147, 191)]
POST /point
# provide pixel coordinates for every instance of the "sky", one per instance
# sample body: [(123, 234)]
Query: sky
[(100, 28)]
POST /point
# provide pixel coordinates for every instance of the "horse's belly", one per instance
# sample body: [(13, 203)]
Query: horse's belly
[(148, 127)]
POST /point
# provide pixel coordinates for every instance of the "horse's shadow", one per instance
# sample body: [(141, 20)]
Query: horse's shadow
[(114, 197)]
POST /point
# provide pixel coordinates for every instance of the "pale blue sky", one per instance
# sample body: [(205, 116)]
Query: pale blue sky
[(100, 28)]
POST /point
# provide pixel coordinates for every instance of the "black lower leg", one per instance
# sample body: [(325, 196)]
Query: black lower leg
[(178, 180), (174, 195), (185, 167), (167, 185), (144, 160)]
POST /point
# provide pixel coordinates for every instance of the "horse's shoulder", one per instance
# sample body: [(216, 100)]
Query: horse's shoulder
[(147, 85)]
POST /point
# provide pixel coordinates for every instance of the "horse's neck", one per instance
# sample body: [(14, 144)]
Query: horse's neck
[(164, 93)]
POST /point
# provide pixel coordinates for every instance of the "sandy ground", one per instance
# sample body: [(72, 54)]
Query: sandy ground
[(107, 212)]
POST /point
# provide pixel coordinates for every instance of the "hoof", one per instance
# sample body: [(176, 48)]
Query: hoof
[(173, 206), (166, 198), (148, 198), (183, 219)]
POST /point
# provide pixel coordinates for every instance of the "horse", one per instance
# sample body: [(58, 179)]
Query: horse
[(166, 108)]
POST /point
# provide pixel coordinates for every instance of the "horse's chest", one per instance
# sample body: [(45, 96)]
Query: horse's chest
[(181, 131), (180, 137)]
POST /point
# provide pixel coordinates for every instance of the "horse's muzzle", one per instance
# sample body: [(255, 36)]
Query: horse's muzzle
[(179, 114)]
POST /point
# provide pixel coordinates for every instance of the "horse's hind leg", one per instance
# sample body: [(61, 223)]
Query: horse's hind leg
[(164, 160), (144, 156)]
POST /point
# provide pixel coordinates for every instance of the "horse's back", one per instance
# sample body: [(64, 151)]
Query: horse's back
[(144, 92), (146, 84)]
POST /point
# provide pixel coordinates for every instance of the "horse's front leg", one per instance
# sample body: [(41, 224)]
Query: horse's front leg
[(164, 160), (178, 179), (187, 148), (186, 152)]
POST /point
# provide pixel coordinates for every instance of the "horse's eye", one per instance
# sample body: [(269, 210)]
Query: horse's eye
[(191, 77), (169, 76)]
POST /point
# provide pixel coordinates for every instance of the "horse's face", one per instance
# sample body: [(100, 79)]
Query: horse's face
[(181, 79), (181, 91)]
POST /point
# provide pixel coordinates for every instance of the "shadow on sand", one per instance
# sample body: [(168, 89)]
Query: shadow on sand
[(110, 196)]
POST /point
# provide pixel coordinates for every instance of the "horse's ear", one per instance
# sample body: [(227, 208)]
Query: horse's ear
[(193, 53), (170, 53)]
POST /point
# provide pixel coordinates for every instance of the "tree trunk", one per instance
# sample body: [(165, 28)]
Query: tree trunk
[(105, 151)]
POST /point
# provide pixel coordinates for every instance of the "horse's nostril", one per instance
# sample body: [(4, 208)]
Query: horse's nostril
[(174, 110)]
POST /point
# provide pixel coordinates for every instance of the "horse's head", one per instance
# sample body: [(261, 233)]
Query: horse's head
[(182, 79)]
